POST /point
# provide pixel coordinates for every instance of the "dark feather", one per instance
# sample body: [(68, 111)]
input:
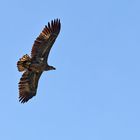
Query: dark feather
[(28, 85), (45, 40)]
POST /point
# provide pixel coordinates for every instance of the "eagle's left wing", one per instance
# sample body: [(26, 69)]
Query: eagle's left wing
[(28, 85)]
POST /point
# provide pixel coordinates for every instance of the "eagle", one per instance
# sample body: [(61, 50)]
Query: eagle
[(33, 66)]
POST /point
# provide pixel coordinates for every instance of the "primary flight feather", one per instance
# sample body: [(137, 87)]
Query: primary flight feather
[(34, 66)]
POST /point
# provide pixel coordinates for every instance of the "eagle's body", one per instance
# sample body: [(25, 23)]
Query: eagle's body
[(34, 66)]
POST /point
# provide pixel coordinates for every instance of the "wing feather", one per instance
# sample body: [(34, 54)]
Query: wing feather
[(28, 85), (45, 40)]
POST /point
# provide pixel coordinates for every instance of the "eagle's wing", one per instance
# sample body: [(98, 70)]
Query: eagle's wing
[(28, 85), (45, 40)]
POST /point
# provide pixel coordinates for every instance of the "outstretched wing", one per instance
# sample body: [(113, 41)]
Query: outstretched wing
[(28, 85), (45, 40)]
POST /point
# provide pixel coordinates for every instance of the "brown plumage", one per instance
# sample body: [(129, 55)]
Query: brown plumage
[(34, 66)]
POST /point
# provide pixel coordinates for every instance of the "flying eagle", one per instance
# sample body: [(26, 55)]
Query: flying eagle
[(34, 66)]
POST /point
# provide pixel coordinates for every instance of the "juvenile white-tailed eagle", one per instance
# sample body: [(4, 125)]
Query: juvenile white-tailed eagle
[(34, 66)]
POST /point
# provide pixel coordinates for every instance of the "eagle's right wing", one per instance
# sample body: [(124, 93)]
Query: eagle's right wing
[(28, 85), (45, 40)]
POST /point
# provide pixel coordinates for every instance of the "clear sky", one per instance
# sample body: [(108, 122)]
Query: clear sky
[(94, 94)]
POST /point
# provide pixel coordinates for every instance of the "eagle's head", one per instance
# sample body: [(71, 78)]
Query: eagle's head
[(51, 68)]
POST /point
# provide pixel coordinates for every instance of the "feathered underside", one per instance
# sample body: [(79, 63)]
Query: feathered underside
[(45, 40), (40, 51), (28, 85)]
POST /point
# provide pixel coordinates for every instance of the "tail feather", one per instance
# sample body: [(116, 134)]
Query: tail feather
[(23, 63)]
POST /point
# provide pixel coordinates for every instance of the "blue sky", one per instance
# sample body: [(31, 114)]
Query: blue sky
[(95, 91)]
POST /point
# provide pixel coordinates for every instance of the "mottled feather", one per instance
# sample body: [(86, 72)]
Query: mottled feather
[(28, 85), (23, 63), (45, 40)]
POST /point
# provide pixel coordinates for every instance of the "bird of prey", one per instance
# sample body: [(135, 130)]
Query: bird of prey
[(34, 65)]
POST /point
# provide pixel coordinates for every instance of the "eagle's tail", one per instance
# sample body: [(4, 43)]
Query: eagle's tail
[(24, 63)]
